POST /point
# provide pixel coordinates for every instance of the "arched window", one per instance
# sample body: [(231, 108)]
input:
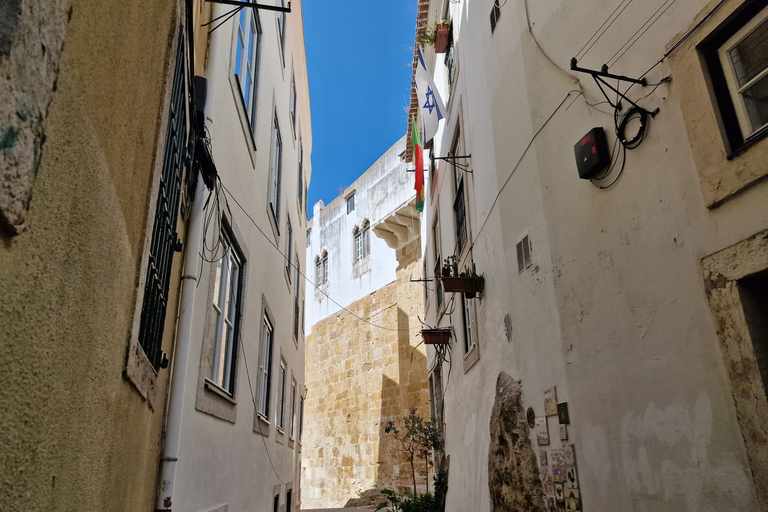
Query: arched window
[(362, 242)]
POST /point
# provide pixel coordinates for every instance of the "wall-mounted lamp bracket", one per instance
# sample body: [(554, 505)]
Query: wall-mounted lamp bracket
[(253, 5), (452, 158), (599, 78)]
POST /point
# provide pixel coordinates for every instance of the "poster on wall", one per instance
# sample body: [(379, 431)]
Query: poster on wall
[(550, 401), (542, 432)]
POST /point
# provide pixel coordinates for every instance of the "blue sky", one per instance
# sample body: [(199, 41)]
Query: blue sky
[(359, 57)]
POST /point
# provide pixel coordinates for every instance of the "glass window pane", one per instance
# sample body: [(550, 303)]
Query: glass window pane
[(750, 56), (756, 102)]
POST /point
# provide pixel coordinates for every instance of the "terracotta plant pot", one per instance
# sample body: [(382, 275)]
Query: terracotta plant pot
[(441, 37), (469, 286), (436, 336)]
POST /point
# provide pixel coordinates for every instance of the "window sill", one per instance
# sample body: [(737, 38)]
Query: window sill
[(280, 438), (471, 357), (291, 442), (261, 425), (215, 389), (751, 141)]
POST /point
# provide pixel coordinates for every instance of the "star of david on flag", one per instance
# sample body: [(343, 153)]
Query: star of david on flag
[(431, 105)]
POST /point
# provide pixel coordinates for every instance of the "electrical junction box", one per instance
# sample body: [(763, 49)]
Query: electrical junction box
[(592, 155)]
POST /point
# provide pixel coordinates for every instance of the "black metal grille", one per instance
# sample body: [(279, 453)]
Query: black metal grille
[(450, 62), (164, 236)]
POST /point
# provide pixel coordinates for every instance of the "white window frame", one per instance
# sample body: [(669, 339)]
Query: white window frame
[(468, 324), (301, 418), (226, 306), (265, 365), (292, 431), (280, 410), (351, 201), (275, 168), (248, 33), (288, 246), (737, 91)]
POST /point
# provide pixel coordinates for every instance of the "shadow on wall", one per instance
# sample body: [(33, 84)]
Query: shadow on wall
[(393, 471)]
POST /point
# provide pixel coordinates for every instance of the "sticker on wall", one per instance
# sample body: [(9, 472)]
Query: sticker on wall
[(560, 496), (543, 457), (547, 482), (550, 401), (569, 455), (542, 432), (563, 433), (562, 414)]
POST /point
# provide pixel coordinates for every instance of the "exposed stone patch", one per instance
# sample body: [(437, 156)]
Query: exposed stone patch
[(513, 479), (31, 42)]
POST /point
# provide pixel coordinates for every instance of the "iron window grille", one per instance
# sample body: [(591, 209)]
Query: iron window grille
[(164, 241), (450, 62)]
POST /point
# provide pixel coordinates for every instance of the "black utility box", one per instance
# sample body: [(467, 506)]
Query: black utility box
[(592, 155)]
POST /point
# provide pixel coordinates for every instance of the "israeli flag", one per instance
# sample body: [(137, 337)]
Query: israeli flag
[(430, 104)]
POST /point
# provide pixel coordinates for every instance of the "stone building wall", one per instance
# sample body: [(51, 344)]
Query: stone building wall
[(359, 377)]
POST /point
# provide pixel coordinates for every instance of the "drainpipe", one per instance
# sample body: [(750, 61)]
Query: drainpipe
[(192, 263)]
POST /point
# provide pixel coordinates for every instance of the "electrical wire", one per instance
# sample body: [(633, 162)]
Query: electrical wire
[(604, 31), (630, 41), (522, 155), (307, 279)]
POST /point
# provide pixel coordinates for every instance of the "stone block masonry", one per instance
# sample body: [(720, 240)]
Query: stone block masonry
[(360, 376)]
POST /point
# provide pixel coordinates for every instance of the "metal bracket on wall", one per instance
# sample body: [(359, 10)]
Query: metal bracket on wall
[(599, 76), (452, 159), (253, 5)]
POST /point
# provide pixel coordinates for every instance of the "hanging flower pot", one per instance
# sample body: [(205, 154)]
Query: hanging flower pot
[(442, 32), (469, 286), (441, 336)]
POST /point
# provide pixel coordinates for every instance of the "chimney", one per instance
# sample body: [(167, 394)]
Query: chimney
[(319, 205)]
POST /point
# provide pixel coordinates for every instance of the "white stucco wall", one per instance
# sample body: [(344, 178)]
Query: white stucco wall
[(227, 463), (613, 311), (379, 191)]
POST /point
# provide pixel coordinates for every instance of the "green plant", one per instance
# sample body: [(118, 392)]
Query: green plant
[(451, 268), (409, 502), (417, 438), (394, 501), (428, 36)]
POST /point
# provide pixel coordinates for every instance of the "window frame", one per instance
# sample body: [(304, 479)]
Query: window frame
[(288, 247), (350, 199), (296, 310), (728, 120), (232, 253), (437, 254), (265, 366), (275, 168), (249, 93), (292, 428), (734, 88), (280, 407)]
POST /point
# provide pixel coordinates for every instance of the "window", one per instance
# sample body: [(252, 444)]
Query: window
[(309, 237), (495, 14), (265, 366), (275, 168), (737, 59), (301, 417), (459, 203), (288, 247), (469, 328), (281, 25), (438, 262), (247, 61), (523, 254), (281, 396), (297, 292), (301, 182), (362, 242), (351, 204), (303, 309), (164, 236), (293, 408), (276, 504), (321, 269), (292, 102), (288, 500), (226, 311)]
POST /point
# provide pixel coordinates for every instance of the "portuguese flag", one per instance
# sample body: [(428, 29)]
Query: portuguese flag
[(418, 159)]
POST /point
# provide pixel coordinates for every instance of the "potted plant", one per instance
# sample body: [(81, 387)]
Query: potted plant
[(466, 282), (437, 36), (439, 336)]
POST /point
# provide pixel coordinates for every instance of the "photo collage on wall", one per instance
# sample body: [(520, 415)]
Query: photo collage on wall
[(557, 467)]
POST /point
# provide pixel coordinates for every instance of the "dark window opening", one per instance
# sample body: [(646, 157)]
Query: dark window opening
[(753, 291)]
